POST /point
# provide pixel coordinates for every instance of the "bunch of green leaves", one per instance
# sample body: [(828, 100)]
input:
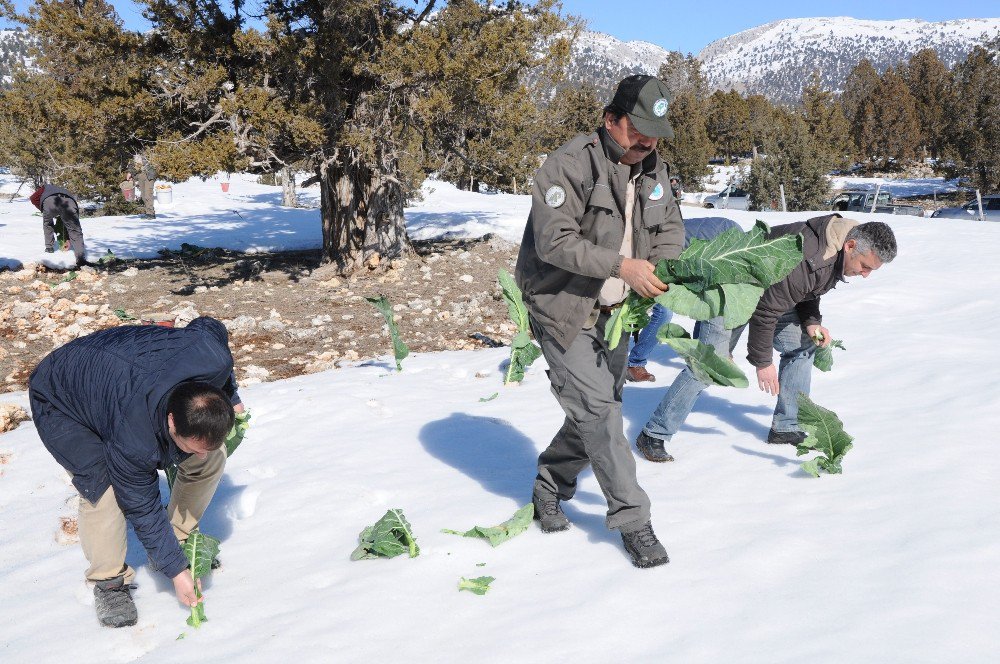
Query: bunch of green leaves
[(123, 315), (523, 351), (706, 365), (390, 536), (69, 276), (399, 349), (497, 535), (479, 585), (823, 358), (724, 276), (236, 434), (108, 258), (200, 550), (825, 434)]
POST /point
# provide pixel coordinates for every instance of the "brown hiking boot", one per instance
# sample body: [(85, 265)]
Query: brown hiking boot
[(639, 375)]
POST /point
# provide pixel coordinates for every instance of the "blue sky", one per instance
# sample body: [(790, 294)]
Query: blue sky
[(687, 26)]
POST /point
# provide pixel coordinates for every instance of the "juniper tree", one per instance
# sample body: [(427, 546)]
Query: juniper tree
[(726, 123), (827, 124), (690, 149), (792, 160), (975, 115), (929, 81)]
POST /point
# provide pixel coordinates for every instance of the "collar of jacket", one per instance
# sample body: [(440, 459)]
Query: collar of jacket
[(830, 231), (614, 152)]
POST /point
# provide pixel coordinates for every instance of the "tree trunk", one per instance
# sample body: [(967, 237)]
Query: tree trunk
[(288, 197), (362, 213)]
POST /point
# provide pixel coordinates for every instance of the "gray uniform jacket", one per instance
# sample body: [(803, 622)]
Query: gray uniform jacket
[(821, 268), (572, 242)]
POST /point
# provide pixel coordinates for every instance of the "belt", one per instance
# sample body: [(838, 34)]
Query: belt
[(606, 309)]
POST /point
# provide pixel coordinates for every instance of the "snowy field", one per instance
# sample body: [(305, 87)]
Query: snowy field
[(896, 560)]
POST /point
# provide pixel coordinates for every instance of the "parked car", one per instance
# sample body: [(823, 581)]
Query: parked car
[(991, 210), (861, 201), (730, 198)]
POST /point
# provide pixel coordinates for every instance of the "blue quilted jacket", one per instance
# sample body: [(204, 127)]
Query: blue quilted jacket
[(99, 404)]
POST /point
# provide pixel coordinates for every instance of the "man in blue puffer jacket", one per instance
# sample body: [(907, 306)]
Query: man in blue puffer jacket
[(114, 407)]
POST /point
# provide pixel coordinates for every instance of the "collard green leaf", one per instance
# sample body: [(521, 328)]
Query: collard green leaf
[(825, 434), (735, 257), (740, 301), (671, 331), (683, 301), (515, 303), (200, 549), (523, 351), (479, 585), (489, 398), (399, 349), (632, 316), (706, 365), (237, 433), (497, 535), (389, 537), (823, 358)]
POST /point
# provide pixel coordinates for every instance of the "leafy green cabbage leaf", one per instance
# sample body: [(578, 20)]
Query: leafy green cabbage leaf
[(497, 535), (523, 351), (825, 434), (479, 585), (823, 358), (707, 365), (200, 549), (390, 536)]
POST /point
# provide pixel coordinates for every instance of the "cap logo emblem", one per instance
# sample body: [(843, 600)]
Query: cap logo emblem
[(555, 196), (660, 107), (657, 193)]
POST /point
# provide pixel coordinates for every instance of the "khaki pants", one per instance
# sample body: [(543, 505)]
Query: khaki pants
[(102, 525)]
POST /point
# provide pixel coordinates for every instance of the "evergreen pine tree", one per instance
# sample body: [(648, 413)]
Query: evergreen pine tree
[(929, 81), (827, 124), (794, 161), (727, 123), (975, 116)]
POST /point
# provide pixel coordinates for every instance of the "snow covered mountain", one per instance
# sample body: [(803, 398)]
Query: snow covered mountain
[(777, 59)]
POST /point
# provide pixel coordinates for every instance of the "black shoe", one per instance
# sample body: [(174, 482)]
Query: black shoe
[(645, 549), (652, 448), (113, 603), (785, 437), (50, 250), (548, 513)]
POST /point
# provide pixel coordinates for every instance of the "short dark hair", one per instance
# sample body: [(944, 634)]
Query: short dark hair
[(874, 236), (616, 111), (201, 411)]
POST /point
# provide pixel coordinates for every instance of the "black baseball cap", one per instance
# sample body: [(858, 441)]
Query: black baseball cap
[(646, 100)]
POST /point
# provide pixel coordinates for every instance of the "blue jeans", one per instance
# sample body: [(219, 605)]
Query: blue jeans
[(683, 392), (659, 316), (794, 370)]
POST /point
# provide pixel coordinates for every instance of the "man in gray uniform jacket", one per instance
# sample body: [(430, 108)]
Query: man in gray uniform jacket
[(601, 216), (56, 202)]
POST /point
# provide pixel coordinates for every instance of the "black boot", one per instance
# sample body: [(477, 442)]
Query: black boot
[(652, 448), (113, 603), (785, 437), (548, 513), (645, 549)]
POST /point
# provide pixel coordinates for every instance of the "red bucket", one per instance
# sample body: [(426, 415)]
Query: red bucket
[(225, 186)]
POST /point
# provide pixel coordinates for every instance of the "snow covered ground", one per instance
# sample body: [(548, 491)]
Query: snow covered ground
[(896, 560)]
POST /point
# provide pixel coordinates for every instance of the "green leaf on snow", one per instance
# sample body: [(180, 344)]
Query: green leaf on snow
[(479, 585), (707, 365), (489, 398), (123, 315), (399, 349), (497, 535), (825, 434), (390, 536)]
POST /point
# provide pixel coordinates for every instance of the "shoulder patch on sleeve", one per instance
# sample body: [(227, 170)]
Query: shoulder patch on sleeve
[(555, 196)]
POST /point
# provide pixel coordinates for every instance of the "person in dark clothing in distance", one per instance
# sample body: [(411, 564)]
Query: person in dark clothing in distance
[(57, 203)]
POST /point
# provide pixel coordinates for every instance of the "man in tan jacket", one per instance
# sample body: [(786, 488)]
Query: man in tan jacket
[(601, 216)]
